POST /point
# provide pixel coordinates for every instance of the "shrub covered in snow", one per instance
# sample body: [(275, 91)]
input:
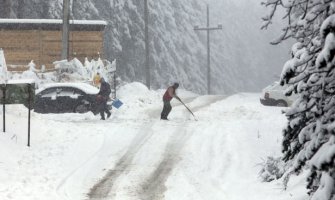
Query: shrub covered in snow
[(272, 169)]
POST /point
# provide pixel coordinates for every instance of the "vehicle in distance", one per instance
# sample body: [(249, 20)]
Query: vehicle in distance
[(66, 98), (273, 95)]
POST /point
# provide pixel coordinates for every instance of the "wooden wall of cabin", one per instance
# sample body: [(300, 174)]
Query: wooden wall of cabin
[(44, 47)]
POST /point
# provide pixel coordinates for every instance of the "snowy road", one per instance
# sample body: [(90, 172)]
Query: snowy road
[(135, 156), (151, 185)]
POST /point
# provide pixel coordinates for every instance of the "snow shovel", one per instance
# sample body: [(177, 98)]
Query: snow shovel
[(117, 103), (187, 108)]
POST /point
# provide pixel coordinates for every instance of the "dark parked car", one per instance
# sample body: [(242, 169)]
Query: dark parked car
[(66, 98)]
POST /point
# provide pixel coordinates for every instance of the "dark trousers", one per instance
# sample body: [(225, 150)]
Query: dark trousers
[(104, 109), (166, 109)]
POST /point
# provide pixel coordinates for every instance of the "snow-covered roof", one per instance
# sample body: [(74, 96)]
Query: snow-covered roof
[(51, 24), (51, 21), (87, 88)]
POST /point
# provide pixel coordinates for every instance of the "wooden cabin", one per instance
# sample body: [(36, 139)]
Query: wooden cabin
[(40, 40)]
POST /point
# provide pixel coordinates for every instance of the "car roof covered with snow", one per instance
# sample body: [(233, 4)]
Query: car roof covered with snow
[(87, 88)]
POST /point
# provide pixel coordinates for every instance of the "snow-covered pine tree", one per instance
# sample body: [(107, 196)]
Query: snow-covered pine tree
[(309, 139)]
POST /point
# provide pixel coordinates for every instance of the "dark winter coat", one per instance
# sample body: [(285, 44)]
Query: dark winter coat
[(105, 90)]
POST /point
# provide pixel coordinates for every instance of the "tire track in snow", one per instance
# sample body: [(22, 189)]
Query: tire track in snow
[(102, 189), (153, 187)]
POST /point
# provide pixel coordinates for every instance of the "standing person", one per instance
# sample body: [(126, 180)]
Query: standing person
[(102, 98), (96, 79), (167, 97)]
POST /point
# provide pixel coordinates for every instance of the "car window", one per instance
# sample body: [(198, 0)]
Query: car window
[(50, 92), (77, 93), (65, 91)]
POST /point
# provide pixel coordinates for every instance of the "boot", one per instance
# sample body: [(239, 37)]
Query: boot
[(102, 114)]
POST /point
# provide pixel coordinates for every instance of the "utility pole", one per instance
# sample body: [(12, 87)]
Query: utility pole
[(65, 30), (208, 29), (146, 35)]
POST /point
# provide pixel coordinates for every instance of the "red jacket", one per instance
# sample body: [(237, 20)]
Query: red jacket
[(169, 94)]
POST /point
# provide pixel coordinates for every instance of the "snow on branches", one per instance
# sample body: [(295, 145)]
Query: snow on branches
[(309, 137)]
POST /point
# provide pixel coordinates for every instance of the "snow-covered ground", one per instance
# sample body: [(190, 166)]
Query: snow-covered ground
[(134, 155)]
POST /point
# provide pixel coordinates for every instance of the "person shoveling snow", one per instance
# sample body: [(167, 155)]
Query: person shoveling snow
[(167, 97), (169, 94)]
